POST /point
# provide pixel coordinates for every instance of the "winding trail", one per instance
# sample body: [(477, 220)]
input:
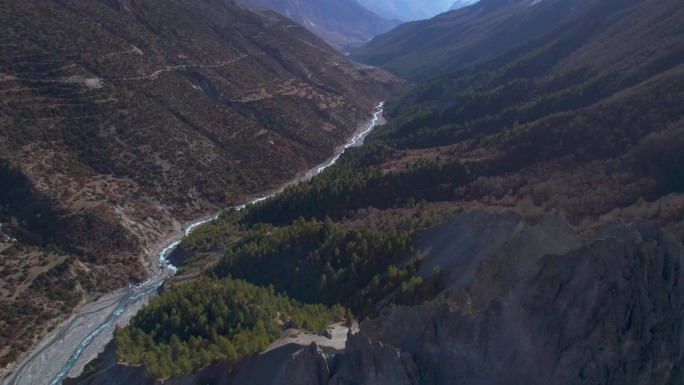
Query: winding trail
[(156, 73), (79, 339), (96, 82)]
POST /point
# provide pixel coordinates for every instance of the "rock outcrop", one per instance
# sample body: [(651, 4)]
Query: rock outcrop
[(372, 362), (309, 367), (609, 312)]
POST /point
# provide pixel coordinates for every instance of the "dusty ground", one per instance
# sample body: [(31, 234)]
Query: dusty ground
[(293, 336)]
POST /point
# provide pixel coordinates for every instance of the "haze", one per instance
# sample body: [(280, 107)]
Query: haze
[(408, 10)]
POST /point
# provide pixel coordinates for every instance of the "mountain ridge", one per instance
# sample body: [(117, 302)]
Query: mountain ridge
[(458, 4), (472, 35), (407, 10), (343, 24)]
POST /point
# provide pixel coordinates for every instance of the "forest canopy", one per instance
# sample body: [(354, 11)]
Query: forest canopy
[(213, 320)]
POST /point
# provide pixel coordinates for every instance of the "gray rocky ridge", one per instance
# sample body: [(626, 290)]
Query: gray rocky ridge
[(608, 312)]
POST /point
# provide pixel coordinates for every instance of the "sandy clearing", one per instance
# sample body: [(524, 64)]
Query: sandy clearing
[(337, 342)]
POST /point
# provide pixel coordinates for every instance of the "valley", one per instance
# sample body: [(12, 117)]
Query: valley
[(514, 216), (88, 331), (116, 131)]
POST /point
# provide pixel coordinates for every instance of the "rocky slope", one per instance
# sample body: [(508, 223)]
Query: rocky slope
[(121, 119), (609, 312), (471, 35), (344, 24), (545, 305)]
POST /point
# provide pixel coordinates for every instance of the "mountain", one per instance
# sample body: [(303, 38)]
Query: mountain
[(122, 120), (584, 119), (462, 38), (344, 24), (559, 166), (462, 3), (516, 222), (407, 10)]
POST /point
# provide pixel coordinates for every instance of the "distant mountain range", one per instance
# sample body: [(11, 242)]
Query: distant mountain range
[(407, 10), (471, 35), (345, 24)]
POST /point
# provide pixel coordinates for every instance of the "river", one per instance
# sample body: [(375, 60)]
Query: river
[(66, 350)]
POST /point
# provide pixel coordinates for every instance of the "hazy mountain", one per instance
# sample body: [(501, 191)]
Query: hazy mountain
[(462, 3), (343, 23), (121, 120), (407, 10), (462, 38)]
